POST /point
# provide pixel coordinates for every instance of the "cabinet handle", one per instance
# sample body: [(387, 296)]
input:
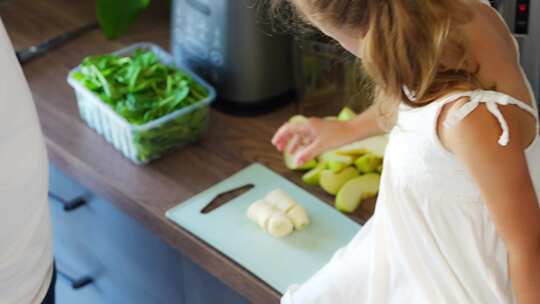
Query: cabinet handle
[(71, 204), (76, 283)]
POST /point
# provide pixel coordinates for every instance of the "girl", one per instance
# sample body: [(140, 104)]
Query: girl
[(457, 218)]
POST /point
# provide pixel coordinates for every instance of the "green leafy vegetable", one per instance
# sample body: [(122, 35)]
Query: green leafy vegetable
[(141, 89)]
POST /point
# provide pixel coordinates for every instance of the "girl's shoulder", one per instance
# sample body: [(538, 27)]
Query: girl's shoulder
[(486, 114)]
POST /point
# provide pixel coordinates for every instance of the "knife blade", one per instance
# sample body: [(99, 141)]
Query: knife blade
[(27, 54)]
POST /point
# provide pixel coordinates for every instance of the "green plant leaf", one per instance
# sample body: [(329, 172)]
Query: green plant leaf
[(115, 16)]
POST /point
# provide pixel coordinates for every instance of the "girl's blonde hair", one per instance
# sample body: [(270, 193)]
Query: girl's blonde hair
[(404, 42)]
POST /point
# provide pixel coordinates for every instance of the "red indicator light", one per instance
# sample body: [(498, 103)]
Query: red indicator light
[(523, 8)]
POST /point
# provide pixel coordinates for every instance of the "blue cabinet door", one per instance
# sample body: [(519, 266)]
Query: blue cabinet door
[(128, 264)]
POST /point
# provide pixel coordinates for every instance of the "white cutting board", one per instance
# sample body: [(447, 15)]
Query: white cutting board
[(279, 262)]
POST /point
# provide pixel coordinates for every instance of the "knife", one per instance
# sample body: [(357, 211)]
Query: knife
[(27, 54)]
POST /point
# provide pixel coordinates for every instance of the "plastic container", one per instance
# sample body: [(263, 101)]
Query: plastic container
[(143, 143)]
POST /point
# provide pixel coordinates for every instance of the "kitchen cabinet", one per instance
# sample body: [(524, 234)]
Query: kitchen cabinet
[(65, 294), (200, 287), (126, 262)]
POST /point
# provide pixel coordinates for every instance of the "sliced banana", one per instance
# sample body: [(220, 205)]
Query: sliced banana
[(278, 214), (259, 212), (299, 217), (253, 209), (279, 225), (280, 200)]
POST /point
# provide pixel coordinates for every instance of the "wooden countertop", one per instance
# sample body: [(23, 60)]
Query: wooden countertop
[(144, 193)]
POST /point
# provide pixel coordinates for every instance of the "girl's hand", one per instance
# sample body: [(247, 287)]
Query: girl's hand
[(306, 140)]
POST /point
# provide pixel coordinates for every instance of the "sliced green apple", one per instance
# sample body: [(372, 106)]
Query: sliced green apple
[(290, 160), (346, 114), (374, 145), (338, 165), (334, 155), (332, 181), (368, 163), (291, 164), (312, 176), (298, 119), (336, 162), (357, 189)]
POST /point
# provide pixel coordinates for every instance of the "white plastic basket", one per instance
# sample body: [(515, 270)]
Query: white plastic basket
[(140, 143)]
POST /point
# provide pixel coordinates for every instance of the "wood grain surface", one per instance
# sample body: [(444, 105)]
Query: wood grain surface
[(144, 193)]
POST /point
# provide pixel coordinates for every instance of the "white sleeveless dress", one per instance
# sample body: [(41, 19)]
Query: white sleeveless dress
[(431, 238)]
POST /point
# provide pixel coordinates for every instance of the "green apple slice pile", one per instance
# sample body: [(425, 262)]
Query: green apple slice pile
[(351, 172)]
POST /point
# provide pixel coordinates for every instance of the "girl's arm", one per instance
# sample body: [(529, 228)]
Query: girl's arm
[(503, 177), (371, 122)]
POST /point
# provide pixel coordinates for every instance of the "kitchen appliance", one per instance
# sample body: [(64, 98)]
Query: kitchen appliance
[(523, 19), (279, 262), (228, 43)]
